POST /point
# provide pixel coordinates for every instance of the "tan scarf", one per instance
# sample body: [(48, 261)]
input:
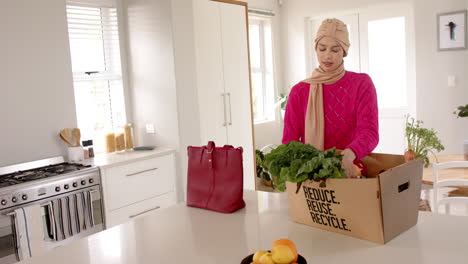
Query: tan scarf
[(315, 120)]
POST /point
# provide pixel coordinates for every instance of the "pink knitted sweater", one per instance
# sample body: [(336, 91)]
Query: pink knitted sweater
[(350, 112)]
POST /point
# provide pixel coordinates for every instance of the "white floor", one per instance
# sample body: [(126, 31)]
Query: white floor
[(455, 208)]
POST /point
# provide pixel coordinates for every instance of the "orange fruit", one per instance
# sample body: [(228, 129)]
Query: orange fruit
[(286, 242), (358, 170)]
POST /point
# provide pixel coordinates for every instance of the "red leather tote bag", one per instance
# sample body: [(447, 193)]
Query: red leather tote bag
[(215, 178)]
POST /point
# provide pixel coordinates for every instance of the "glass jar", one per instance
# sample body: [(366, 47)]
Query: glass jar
[(110, 142), (128, 130), (120, 139)]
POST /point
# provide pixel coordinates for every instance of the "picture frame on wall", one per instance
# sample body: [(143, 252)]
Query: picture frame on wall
[(451, 29)]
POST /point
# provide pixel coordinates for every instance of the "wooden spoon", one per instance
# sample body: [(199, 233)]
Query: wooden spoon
[(77, 136), (65, 138), (69, 136)]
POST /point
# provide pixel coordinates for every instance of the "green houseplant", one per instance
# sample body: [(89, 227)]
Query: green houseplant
[(261, 169), (420, 141), (462, 111), (281, 103)]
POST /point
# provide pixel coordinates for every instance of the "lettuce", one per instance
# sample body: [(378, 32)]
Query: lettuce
[(297, 162)]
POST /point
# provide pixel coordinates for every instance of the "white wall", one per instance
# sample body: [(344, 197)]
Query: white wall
[(436, 101), (151, 68), (36, 92)]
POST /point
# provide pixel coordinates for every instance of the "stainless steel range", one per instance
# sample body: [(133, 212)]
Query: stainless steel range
[(45, 204)]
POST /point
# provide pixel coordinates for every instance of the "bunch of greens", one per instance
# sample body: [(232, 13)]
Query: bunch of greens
[(421, 140), (262, 171), (297, 162)]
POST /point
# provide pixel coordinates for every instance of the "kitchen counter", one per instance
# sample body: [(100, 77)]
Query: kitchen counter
[(181, 234), (105, 160)]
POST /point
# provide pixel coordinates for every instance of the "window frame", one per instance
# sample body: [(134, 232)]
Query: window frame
[(119, 73)]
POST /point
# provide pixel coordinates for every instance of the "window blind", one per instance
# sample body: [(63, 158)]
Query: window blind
[(94, 40)]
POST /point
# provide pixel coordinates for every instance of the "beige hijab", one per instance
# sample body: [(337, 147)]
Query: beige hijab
[(314, 121)]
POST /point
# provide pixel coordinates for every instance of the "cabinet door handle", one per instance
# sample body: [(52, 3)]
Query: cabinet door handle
[(224, 109), (230, 110), (149, 210), (140, 172)]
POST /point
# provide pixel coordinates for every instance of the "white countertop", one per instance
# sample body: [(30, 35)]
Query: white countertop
[(184, 235), (105, 160)]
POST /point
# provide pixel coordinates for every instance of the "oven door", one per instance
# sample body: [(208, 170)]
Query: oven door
[(8, 247), (18, 225), (54, 226)]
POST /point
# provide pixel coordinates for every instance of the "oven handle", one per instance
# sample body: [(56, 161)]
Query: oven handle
[(91, 208), (51, 219)]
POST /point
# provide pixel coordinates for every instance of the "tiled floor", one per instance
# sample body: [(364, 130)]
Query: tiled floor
[(456, 208)]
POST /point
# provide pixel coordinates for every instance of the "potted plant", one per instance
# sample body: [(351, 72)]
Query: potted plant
[(420, 141), (281, 102), (261, 169), (462, 111)]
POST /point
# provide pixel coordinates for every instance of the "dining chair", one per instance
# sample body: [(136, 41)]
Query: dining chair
[(447, 182)]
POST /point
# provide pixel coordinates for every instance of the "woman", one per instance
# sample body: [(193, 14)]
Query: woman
[(334, 107)]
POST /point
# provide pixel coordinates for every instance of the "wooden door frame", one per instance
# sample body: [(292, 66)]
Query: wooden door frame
[(234, 2)]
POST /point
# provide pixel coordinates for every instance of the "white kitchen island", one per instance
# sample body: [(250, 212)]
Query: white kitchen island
[(184, 235)]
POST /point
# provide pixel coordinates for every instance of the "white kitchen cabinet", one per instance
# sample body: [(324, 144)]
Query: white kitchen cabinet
[(223, 77), (139, 209), (134, 187)]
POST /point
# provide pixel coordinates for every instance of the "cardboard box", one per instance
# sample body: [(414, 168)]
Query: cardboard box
[(377, 208)]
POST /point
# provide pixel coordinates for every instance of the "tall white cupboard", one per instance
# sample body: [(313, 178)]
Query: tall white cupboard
[(223, 77)]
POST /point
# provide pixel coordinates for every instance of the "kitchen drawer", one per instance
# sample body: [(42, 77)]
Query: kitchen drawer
[(138, 181), (140, 209)]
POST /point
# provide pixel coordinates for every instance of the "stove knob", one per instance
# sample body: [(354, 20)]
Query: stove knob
[(83, 182), (57, 189), (75, 184), (66, 186), (91, 180), (14, 199), (3, 202), (24, 197)]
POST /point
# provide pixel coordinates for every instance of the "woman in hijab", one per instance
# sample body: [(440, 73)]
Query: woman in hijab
[(334, 107)]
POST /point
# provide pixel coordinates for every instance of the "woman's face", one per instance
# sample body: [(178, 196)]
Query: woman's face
[(329, 53)]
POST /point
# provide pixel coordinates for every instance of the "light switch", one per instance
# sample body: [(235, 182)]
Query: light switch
[(451, 81), (150, 128)]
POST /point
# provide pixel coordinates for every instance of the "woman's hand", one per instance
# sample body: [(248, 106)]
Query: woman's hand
[(348, 165)]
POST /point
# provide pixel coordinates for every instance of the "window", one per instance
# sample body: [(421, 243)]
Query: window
[(97, 73), (261, 63), (387, 53)]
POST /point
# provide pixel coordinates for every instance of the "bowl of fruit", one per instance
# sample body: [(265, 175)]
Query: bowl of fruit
[(283, 251)]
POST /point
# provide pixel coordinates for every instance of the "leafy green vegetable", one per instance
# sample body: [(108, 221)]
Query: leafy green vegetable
[(297, 162), (421, 140)]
